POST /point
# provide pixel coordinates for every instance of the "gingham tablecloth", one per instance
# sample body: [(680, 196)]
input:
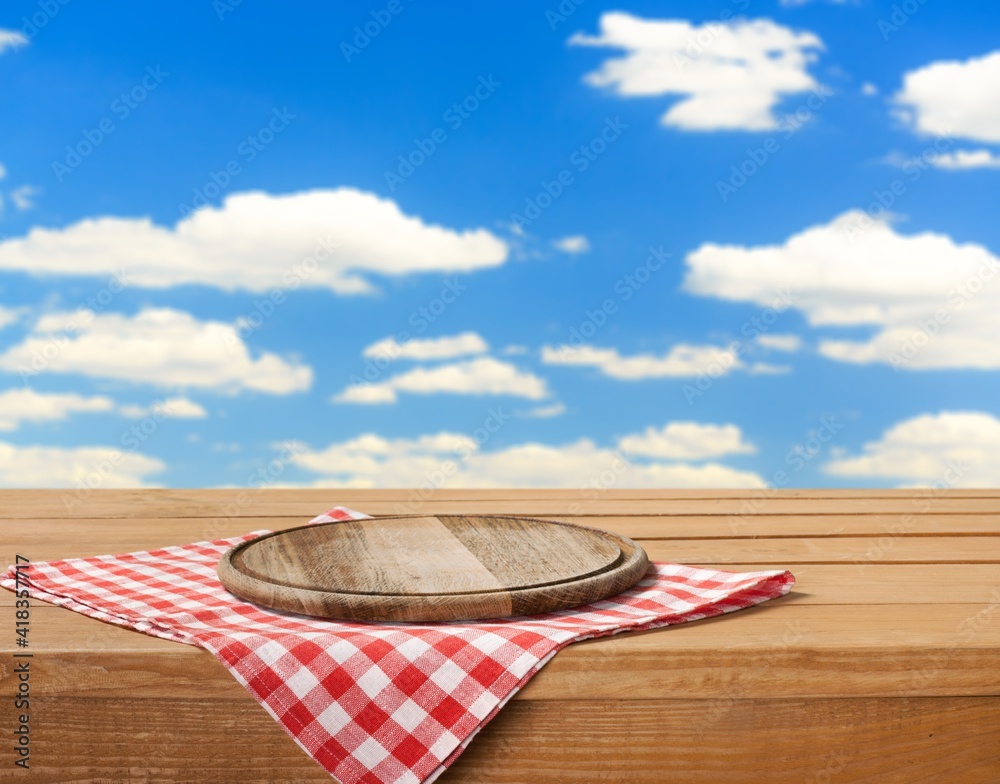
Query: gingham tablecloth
[(371, 703)]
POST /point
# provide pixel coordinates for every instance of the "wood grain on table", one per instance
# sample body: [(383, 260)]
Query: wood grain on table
[(880, 666)]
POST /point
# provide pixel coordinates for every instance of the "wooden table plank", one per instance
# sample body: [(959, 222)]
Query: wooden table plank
[(634, 526), (780, 649), (307, 503), (761, 553), (862, 583), (771, 553), (863, 741), (322, 495), (853, 550), (95, 536)]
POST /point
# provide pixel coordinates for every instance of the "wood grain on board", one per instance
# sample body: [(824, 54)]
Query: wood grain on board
[(432, 568)]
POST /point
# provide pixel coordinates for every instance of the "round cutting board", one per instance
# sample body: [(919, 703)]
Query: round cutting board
[(440, 568)]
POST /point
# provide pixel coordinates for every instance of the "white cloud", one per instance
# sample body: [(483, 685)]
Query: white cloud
[(544, 412), (573, 245), (257, 242), (481, 376), (869, 89), (366, 394), (687, 441), (23, 197), (951, 448), (8, 316), (168, 348), (428, 348), (27, 405), (11, 39), (730, 76), (967, 159), (789, 343), (454, 460), (514, 350), (933, 303), (46, 466), (954, 97), (766, 369), (3, 172), (681, 361), (173, 407)]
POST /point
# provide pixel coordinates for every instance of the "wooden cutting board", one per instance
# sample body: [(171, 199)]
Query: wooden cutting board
[(432, 568)]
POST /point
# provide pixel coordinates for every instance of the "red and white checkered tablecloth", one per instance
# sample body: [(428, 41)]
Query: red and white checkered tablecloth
[(371, 703)]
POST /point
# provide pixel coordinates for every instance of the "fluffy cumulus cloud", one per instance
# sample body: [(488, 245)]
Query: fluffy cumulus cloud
[(480, 376), (954, 97), (543, 412), (931, 302), (967, 159), (423, 349), (682, 361), (48, 466), (26, 405), (687, 441), (789, 343), (8, 316), (455, 460), (171, 407), (573, 245), (767, 369), (257, 242), (160, 346), (24, 196), (22, 405), (730, 75), (948, 449), (11, 39)]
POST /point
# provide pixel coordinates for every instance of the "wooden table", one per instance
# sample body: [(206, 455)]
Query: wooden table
[(883, 665)]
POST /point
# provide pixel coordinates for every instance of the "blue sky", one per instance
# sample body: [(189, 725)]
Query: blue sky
[(685, 244)]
